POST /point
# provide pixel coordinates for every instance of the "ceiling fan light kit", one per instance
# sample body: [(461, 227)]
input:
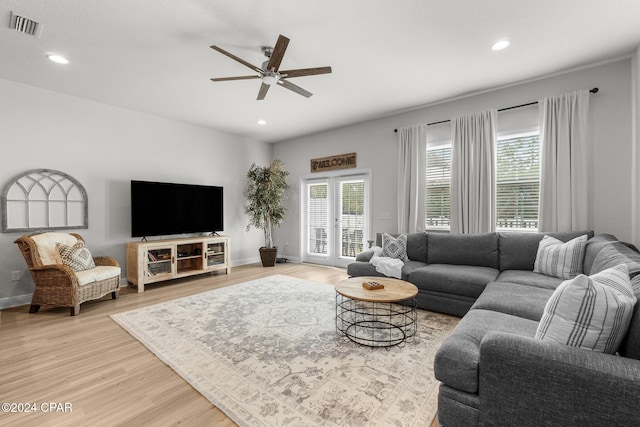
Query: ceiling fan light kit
[(269, 73), (270, 78)]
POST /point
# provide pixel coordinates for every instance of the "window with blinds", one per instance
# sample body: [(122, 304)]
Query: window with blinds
[(518, 182), (438, 187)]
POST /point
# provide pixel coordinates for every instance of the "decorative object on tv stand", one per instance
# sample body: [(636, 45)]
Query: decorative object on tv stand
[(266, 192), (43, 199)]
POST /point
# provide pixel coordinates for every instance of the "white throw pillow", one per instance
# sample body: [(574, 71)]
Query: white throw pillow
[(395, 247), (558, 259), (590, 312)]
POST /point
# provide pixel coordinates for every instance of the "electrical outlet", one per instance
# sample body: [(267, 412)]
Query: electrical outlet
[(15, 276)]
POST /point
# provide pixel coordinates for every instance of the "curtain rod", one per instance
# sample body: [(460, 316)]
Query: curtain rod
[(594, 90)]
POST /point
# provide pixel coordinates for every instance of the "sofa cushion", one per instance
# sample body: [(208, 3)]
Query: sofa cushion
[(393, 247), (630, 346), (417, 246), (456, 361), (590, 312), (465, 280), (365, 255), (529, 278), (463, 249), (518, 250), (362, 268), (519, 300), (616, 253), (560, 259), (594, 246), (409, 267)]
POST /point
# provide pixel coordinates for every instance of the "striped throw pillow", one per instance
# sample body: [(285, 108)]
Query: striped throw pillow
[(558, 259), (395, 247), (590, 312)]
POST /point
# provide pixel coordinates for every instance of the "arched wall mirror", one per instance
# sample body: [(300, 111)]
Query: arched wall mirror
[(43, 199)]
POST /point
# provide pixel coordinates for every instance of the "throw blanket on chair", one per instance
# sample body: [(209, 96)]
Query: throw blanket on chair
[(391, 267)]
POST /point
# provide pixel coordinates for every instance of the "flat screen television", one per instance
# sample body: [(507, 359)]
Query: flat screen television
[(163, 208)]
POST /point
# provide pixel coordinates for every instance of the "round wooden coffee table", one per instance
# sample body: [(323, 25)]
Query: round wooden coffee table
[(377, 318)]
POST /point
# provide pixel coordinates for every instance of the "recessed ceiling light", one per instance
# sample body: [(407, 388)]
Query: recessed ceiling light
[(262, 122), (501, 44), (58, 59)]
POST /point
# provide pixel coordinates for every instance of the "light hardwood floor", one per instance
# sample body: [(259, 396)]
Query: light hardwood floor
[(107, 376)]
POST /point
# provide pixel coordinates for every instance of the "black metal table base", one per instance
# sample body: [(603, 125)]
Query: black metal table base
[(376, 324)]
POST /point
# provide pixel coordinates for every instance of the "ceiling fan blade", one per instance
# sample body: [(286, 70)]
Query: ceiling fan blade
[(305, 72), (297, 89), (263, 91), (224, 79), (242, 61), (278, 53)]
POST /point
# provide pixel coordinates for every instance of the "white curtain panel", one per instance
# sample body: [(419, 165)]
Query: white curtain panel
[(412, 145), (564, 160), (473, 173)]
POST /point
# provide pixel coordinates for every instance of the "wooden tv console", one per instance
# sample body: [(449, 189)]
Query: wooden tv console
[(159, 260)]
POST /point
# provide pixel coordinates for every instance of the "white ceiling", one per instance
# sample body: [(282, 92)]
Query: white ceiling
[(387, 55)]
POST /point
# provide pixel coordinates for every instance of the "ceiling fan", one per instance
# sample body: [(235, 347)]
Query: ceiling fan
[(270, 72)]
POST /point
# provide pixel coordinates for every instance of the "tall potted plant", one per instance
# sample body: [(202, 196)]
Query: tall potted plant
[(266, 193)]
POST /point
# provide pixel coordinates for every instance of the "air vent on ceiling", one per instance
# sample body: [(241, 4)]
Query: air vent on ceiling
[(25, 25)]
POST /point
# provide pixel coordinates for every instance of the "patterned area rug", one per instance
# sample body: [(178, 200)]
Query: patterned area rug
[(266, 353)]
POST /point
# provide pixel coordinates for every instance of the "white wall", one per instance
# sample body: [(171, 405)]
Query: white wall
[(376, 146), (104, 147)]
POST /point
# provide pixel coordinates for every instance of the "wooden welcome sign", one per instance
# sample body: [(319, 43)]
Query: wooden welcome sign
[(341, 161)]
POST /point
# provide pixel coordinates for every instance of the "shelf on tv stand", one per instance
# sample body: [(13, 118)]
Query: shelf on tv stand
[(158, 260)]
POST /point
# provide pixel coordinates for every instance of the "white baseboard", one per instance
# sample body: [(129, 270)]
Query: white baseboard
[(245, 261), (14, 301)]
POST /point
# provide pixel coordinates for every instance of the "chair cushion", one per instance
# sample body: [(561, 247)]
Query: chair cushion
[(558, 259), (78, 256), (96, 274), (46, 245), (590, 312)]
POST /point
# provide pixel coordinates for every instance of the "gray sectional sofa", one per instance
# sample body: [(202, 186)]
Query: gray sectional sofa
[(493, 372)]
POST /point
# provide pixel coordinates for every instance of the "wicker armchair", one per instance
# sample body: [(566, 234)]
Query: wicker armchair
[(57, 284)]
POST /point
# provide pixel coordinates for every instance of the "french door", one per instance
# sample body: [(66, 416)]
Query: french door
[(335, 219)]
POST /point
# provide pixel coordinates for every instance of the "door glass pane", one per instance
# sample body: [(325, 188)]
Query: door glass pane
[(318, 203), (352, 218)]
